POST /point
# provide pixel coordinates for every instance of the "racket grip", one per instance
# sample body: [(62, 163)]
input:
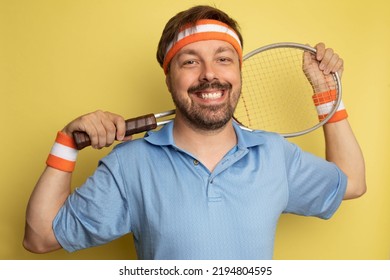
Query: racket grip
[(133, 126)]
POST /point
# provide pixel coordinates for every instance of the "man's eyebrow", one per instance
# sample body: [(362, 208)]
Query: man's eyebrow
[(225, 49), (194, 51), (187, 51)]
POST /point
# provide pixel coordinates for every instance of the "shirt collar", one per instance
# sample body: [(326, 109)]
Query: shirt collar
[(246, 139)]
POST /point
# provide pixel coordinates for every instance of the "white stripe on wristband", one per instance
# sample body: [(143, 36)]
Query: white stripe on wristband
[(324, 109), (63, 154)]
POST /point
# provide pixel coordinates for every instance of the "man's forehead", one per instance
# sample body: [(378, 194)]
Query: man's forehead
[(213, 46)]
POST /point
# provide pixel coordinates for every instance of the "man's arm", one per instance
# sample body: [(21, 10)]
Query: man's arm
[(54, 186), (49, 194), (341, 145), (343, 149)]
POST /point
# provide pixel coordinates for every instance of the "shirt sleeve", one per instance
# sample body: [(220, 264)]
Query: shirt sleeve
[(316, 186), (97, 212)]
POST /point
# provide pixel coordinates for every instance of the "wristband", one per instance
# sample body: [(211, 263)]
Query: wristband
[(63, 153), (324, 102)]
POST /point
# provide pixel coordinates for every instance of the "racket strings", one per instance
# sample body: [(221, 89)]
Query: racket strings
[(276, 93)]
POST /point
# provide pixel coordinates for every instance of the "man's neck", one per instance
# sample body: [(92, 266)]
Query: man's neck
[(209, 147)]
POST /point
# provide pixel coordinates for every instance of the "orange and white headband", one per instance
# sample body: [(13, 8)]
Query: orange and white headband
[(205, 29)]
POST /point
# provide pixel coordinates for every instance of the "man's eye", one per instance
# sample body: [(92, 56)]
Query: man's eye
[(189, 62), (224, 59)]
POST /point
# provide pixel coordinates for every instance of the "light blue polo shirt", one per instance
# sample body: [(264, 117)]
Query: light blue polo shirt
[(177, 209)]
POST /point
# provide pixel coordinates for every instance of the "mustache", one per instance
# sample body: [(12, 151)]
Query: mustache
[(208, 85)]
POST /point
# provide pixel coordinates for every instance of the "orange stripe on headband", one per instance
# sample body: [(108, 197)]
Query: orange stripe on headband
[(206, 29)]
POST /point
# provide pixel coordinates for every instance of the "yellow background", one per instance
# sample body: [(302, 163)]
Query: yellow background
[(60, 59)]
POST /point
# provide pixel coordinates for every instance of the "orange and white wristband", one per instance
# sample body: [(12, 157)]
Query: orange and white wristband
[(63, 154), (324, 103)]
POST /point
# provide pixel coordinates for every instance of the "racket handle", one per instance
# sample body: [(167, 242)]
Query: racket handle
[(133, 126)]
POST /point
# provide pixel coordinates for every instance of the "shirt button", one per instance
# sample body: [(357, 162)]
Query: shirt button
[(196, 162)]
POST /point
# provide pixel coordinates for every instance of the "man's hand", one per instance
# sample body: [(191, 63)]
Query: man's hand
[(319, 67), (103, 128)]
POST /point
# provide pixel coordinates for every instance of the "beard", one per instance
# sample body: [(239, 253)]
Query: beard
[(207, 117)]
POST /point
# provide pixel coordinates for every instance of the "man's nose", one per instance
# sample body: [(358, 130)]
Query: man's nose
[(208, 73)]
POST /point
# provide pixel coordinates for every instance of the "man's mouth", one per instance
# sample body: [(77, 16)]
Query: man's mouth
[(210, 95), (210, 91)]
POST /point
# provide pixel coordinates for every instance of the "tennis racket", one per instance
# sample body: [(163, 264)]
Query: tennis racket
[(276, 95)]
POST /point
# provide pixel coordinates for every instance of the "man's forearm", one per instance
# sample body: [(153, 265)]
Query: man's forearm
[(343, 149), (49, 194)]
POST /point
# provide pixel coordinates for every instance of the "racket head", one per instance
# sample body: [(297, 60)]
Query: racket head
[(276, 94)]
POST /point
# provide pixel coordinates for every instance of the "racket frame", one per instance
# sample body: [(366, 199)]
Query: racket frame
[(335, 76)]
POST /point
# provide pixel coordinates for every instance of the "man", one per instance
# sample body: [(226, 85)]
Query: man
[(201, 187)]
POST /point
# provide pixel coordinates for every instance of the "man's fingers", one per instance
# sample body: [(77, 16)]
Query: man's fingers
[(320, 47), (120, 126), (102, 128)]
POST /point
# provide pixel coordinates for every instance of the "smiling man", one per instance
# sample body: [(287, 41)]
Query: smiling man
[(201, 80), (201, 187)]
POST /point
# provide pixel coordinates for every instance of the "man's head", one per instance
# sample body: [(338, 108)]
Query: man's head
[(221, 25), (201, 53)]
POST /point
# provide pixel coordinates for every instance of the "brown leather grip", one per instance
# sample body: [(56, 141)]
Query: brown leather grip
[(140, 124), (133, 126), (81, 139)]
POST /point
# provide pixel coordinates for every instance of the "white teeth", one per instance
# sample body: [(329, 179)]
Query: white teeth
[(211, 95)]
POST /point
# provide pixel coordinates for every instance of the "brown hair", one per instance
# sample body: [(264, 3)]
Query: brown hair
[(191, 16)]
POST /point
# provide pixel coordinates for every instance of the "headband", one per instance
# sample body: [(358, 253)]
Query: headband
[(205, 29)]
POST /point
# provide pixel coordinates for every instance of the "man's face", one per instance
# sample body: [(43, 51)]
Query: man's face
[(205, 82)]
